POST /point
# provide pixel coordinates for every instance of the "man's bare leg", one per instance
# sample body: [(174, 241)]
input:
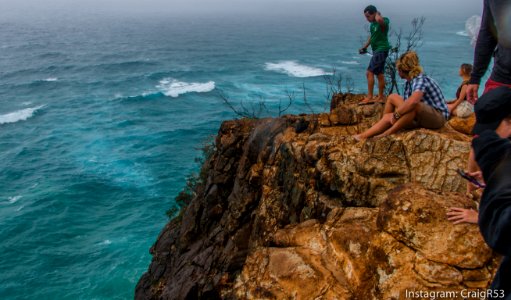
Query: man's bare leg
[(381, 88), (370, 87)]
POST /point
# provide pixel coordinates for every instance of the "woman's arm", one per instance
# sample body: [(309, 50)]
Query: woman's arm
[(452, 106)]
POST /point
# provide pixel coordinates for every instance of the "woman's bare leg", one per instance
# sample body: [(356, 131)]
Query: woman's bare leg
[(393, 101), (403, 122), (377, 128)]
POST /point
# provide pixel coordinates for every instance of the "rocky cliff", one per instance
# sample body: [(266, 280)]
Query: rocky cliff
[(295, 208)]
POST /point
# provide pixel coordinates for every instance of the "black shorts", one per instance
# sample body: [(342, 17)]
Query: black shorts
[(377, 63)]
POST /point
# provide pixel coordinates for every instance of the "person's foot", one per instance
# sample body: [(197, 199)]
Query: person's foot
[(358, 137), (367, 100), (379, 99), (379, 136)]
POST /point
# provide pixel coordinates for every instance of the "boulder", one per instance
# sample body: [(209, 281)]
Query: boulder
[(295, 207)]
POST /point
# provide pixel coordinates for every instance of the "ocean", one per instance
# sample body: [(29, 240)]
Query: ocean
[(101, 117)]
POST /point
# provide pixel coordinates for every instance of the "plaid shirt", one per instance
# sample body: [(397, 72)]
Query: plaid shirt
[(432, 93)]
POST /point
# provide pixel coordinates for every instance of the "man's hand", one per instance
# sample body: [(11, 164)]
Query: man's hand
[(472, 90)]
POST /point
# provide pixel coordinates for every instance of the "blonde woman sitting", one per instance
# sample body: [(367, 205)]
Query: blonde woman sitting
[(423, 104)]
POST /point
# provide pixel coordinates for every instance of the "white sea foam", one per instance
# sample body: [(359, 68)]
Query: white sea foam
[(173, 88), (462, 33), (20, 115), (106, 242), (350, 62), (14, 199), (292, 68), (26, 103), (472, 26), (50, 79)]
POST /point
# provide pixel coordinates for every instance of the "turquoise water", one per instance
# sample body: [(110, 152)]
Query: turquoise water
[(101, 118)]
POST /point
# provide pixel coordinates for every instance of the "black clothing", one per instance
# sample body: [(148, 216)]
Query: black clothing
[(494, 39), (458, 92), (493, 154), (493, 107)]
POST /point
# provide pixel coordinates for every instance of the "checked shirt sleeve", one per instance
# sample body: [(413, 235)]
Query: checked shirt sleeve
[(419, 84)]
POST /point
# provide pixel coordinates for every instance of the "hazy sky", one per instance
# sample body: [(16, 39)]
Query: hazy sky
[(240, 5)]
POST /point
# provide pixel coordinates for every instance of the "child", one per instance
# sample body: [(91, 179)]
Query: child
[(460, 107)]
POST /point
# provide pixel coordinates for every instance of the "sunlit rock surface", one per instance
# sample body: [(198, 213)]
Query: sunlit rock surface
[(295, 208)]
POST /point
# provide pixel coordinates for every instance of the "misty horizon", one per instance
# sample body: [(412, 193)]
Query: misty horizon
[(57, 8)]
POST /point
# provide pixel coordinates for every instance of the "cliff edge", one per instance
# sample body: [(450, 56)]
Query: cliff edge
[(294, 207)]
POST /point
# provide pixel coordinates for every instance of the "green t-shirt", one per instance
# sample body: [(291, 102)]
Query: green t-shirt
[(379, 38)]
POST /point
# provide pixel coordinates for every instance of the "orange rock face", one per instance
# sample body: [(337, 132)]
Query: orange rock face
[(295, 208)]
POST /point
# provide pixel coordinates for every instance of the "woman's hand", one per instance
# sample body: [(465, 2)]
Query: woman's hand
[(462, 215)]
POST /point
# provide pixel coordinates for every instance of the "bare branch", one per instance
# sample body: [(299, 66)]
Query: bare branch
[(305, 100), (414, 40), (290, 97)]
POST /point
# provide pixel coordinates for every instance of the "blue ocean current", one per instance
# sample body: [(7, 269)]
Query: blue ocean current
[(101, 118)]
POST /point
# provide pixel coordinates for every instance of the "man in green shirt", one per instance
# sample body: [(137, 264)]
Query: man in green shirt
[(380, 45)]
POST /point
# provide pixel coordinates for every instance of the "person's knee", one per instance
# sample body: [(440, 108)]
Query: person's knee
[(394, 98), (369, 74), (418, 108)]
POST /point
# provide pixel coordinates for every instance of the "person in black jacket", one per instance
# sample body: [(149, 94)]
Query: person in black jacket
[(494, 39), (492, 149)]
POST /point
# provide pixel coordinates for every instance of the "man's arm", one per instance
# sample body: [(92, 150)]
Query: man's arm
[(485, 46), (381, 21), (366, 44)]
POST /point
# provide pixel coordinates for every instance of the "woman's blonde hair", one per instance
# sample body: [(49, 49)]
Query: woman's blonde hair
[(408, 63)]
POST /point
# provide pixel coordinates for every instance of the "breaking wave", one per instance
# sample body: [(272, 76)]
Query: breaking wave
[(20, 115), (294, 69), (173, 88)]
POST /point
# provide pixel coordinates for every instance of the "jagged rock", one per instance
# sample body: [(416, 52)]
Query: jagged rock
[(351, 255), (295, 207), (463, 125)]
